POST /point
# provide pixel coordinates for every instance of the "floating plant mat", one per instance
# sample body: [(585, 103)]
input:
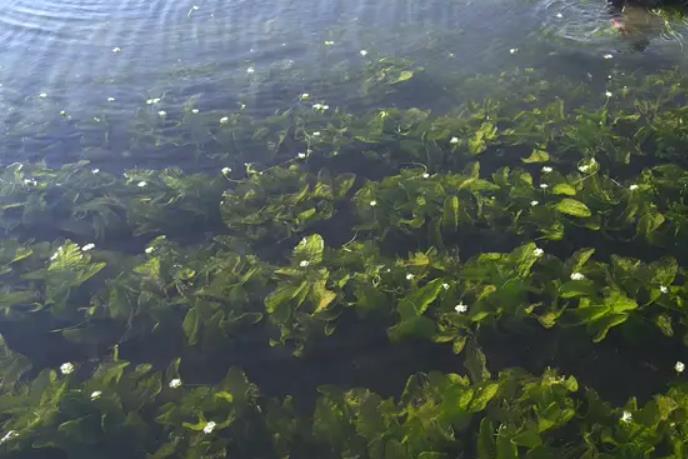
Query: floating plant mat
[(500, 274)]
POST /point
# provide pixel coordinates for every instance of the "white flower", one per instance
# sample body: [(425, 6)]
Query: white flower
[(224, 120), (316, 134), (445, 286), (410, 276), (43, 95), (250, 70), (304, 96), (226, 170), (176, 383), (116, 50), (577, 276), (664, 289), (454, 140), (304, 263), (373, 203), (209, 427), (608, 94), (363, 52), (162, 113), (111, 99), (426, 175), (142, 184), (63, 113), (461, 308), (67, 368), (633, 187), (329, 43), (559, 15), (626, 416), (301, 155), (195, 111), (513, 50), (95, 170), (538, 252), (242, 106), (608, 56), (10, 435), (679, 367), (95, 395), (584, 168), (149, 250), (321, 107), (89, 246), (153, 101), (534, 203), (546, 169), (544, 186)]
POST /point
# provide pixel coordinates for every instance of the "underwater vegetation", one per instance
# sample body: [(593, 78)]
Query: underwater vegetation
[(519, 260)]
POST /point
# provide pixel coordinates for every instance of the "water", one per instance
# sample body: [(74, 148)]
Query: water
[(153, 130)]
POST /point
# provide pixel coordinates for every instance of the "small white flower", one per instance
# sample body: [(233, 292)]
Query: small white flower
[(426, 175), (559, 15), (142, 184), (410, 276), (116, 50), (680, 367), (226, 170), (43, 95), (461, 308), (10, 435), (155, 100), (224, 120), (67, 368), (304, 263), (664, 289), (373, 203), (513, 50), (329, 43), (63, 113), (149, 250), (301, 155), (95, 395), (363, 52), (195, 111), (454, 140), (577, 276), (316, 134), (31, 182), (250, 70), (544, 186), (538, 252), (89, 246), (162, 113), (608, 94), (111, 99), (626, 416), (633, 187), (608, 56), (176, 383), (534, 203), (584, 168), (321, 107), (95, 171), (209, 427), (242, 106), (546, 169), (304, 96), (445, 286)]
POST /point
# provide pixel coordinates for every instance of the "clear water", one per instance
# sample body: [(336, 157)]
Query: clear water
[(210, 84)]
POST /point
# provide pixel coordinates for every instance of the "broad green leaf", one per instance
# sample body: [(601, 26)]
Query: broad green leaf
[(573, 208), (310, 249), (536, 156)]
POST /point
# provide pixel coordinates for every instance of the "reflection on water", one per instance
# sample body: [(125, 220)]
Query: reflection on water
[(97, 63)]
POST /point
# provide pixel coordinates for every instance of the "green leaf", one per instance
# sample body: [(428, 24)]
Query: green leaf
[(310, 249), (573, 208), (564, 188), (404, 75), (536, 156), (476, 363), (420, 299), (450, 216), (191, 326)]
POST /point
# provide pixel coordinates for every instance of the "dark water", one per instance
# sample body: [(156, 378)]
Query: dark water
[(205, 85)]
